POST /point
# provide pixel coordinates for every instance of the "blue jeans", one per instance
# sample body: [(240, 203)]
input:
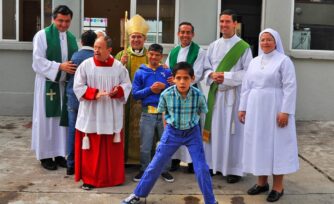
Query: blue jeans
[(150, 125), (171, 140), (72, 108)]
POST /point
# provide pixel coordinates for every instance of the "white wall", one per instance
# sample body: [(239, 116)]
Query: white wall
[(16, 82), (314, 77), (203, 15)]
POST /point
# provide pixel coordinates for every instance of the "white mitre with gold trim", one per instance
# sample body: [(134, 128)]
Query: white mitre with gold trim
[(137, 24)]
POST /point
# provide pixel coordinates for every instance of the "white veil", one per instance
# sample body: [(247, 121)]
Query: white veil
[(278, 41)]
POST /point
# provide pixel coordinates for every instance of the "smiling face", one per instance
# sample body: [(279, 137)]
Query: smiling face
[(154, 58), (137, 41), (62, 22), (101, 51), (185, 35), (267, 43), (227, 26), (183, 80)]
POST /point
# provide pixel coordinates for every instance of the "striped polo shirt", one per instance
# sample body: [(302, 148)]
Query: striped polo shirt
[(182, 113)]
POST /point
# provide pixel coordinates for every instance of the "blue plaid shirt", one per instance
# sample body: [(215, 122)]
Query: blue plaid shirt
[(179, 112)]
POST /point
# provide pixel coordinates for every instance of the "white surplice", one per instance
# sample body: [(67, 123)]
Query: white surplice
[(269, 87), (224, 151), (105, 115), (48, 138), (182, 153)]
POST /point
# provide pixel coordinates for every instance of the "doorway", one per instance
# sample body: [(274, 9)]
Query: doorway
[(249, 17), (112, 10)]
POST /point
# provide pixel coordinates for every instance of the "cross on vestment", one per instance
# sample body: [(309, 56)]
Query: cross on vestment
[(51, 94)]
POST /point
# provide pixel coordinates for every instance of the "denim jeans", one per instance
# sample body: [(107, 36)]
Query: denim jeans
[(72, 108), (150, 125), (171, 140)]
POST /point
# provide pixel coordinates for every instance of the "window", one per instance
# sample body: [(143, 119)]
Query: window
[(160, 15), (313, 25), (21, 19)]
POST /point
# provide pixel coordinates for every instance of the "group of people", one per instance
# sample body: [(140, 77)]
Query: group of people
[(117, 108)]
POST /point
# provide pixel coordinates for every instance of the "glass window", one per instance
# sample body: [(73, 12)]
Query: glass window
[(160, 15), (26, 21), (47, 12), (8, 19), (313, 25)]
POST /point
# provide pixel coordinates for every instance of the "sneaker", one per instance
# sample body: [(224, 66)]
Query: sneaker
[(132, 199), (167, 177), (138, 176)]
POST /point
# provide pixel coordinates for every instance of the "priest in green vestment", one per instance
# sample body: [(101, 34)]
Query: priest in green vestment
[(52, 49)]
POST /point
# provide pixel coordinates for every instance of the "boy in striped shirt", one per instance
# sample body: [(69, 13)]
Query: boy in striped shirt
[(181, 105)]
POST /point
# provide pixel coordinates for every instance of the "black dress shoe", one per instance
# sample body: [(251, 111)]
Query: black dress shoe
[(274, 196), (87, 187), (48, 164), (70, 171), (175, 165), (256, 189), (191, 168), (211, 173), (61, 161), (233, 178)]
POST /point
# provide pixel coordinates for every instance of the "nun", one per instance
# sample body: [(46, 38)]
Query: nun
[(267, 109)]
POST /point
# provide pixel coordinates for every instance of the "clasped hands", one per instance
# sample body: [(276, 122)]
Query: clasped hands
[(157, 87), (217, 77), (282, 118), (105, 93)]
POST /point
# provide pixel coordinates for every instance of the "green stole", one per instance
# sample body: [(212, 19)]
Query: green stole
[(191, 57), (230, 59), (52, 92)]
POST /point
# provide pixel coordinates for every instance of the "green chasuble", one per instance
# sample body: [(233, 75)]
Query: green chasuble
[(191, 57), (230, 59), (133, 108), (52, 92)]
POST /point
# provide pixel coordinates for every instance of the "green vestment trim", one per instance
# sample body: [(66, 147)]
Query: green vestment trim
[(52, 92), (191, 57), (230, 59)]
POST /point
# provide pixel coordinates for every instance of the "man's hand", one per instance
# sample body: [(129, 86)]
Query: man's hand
[(101, 94), (160, 85), (68, 67), (242, 116), (282, 119), (124, 59), (170, 80), (155, 88), (114, 91), (217, 77)]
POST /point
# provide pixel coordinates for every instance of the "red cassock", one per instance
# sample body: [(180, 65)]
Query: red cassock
[(102, 165)]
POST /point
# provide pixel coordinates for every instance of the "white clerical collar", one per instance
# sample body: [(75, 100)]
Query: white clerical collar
[(87, 48), (186, 46), (62, 35), (231, 38)]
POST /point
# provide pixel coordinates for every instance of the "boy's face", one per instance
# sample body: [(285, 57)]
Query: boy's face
[(154, 58), (183, 81)]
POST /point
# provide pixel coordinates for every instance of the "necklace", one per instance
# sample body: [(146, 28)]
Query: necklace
[(264, 62)]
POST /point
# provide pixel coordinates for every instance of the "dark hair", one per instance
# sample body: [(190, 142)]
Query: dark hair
[(189, 24), (108, 41), (230, 12), (183, 66), (156, 48), (88, 38), (63, 10)]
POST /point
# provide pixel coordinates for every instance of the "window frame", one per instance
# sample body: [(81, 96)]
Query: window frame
[(17, 23), (167, 46), (305, 54)]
